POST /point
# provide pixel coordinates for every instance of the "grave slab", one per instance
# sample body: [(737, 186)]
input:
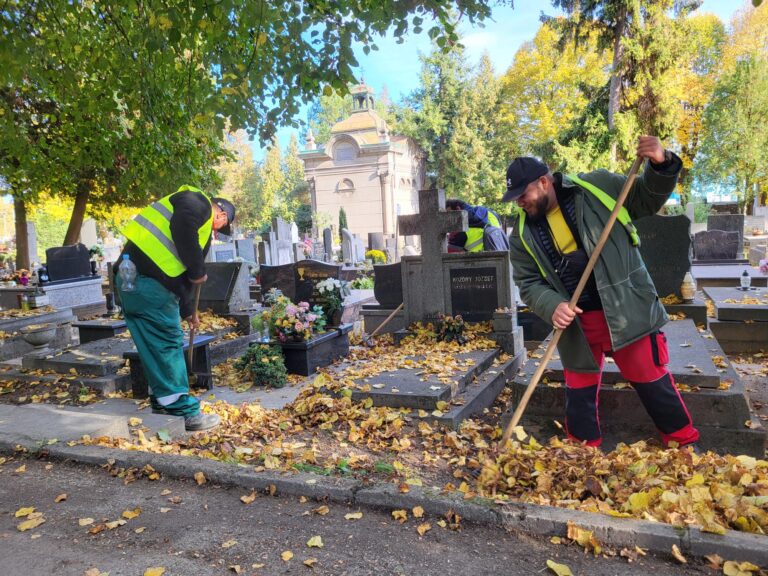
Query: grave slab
[(739, 337), (690, 358), (97, 358), (45, 422), (91, 330), (734, 304), (726, 275), (407, 387)]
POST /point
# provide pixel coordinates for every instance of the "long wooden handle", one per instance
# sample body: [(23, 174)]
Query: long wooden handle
[(191, 351), (386, 321), (518, 414)]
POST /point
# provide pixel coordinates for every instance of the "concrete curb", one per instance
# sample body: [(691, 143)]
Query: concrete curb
[(517, 517)]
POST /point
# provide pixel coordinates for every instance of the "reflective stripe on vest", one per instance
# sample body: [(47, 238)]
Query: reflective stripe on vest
[(474, 241), (150, 231), (609, 203), (521, 225)]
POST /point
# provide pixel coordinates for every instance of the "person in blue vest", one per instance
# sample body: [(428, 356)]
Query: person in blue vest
[(560, 219), (479, 218), (168, 241)]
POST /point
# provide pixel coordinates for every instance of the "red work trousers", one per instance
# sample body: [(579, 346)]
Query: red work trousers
[(643, 363)]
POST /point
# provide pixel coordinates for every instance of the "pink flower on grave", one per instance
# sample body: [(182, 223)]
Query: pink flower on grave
[(299, 327), (291, 310), (311, 317), (304, 305)]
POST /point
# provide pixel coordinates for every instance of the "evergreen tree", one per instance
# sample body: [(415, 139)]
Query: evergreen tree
[(342, 221)]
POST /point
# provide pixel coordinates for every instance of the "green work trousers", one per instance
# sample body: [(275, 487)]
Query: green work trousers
[(152, 315)]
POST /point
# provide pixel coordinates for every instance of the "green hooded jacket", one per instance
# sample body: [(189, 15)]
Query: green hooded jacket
[(630, 302)]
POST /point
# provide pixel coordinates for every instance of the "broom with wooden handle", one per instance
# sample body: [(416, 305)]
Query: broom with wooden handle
[(518, 414)]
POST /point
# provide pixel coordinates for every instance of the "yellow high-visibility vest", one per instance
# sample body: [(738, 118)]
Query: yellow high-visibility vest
[(474, 241), (150, 231)]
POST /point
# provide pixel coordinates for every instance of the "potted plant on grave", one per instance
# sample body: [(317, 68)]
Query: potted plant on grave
[(334, 291), (451, 329), (376, 256), (264, 365)]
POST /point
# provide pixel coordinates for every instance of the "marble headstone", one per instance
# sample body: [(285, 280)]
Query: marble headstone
[(729, 223), (716, 245), (226, 290)]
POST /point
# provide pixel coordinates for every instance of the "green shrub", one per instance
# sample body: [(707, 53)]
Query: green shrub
[(264, 364), (362, 283)]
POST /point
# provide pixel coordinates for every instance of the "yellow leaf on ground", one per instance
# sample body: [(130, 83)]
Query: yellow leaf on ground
[(321, 510), (315, 542), (678, 555), (400, 515), (130, 514), (248, 499), (134, 421), (60, 498), (200, 478), (310, 562), (21, 512), (353, 516), (21, 469), (418, 512), (140, 530), (31, 523), (154, 571), (287, 555), (85, 521), (559, 569), (731, 568), (423, 528), (236, 568), (228, 543)]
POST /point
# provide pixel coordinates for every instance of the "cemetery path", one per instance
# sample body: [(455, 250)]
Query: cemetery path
[(201, 530)]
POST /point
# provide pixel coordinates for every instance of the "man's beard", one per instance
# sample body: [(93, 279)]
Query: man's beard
[(539, 210)]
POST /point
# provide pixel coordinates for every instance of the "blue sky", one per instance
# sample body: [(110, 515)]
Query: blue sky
[(397, 65)]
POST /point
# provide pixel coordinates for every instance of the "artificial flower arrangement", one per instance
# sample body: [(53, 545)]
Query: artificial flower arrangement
[(296, 322), (334, 291)]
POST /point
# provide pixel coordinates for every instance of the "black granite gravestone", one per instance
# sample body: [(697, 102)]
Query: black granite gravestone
[(729, 223), (388, 284), (309, 273), (715, 245), (68, 262), (665, 244), (474, 292), (226, 290), (282, 277)]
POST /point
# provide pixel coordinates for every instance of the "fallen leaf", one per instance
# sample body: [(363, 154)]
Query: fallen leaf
[(321, 510), (423, 528), (400, 515), (353, 516), (115, 523), (85, 521), (130, 514), (154, 571), (678, 555), (248, 499), (134, 421), (236, 568), (200, 478), (31, 523), (310, 562), (140, 530), (559, 569), (21, 469), (164, 510), (315, 542), (731, 568), (228, 543), (21, 512), (418, 512), (287, 555), (60, 498)]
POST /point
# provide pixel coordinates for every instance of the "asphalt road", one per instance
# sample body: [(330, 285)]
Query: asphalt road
[(201, 530)]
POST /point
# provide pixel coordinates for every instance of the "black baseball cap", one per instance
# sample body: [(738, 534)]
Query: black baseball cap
[(522, 171), (229, 210)]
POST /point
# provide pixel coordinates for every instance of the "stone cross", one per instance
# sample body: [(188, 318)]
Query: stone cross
[(432, 223)]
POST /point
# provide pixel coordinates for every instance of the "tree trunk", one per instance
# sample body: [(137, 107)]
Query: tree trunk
[(78, 213), (22, 241), (614, 91)]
